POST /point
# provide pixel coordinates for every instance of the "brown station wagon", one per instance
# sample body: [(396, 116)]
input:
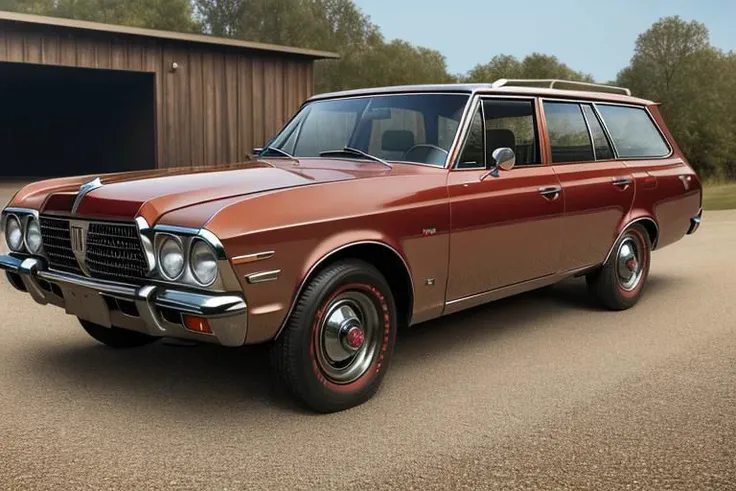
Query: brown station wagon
[(371, 210)]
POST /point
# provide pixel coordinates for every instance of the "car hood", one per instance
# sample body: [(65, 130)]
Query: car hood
[(151, 194)]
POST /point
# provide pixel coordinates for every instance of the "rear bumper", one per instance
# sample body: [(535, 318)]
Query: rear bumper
[(695, 223), (150, 309)]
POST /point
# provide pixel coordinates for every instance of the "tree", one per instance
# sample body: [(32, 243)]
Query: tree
[(536, 65), (675, 64), (172, 15)]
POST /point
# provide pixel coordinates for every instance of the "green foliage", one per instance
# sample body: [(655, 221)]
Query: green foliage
[(173, 15), (675, 64), (536, 65)]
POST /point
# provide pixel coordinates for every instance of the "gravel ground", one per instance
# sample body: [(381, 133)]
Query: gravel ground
[(541, 391)]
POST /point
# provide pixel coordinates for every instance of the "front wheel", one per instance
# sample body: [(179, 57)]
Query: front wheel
[(115, 337), (337, 344), (619, 283)]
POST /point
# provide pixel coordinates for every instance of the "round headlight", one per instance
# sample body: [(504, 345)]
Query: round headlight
[(33, 236), (203, 263), (14, 234), (171, 258)]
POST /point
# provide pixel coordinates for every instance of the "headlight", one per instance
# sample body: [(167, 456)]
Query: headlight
[(14, 234), (33, 236), (203, 263), (171, 258)]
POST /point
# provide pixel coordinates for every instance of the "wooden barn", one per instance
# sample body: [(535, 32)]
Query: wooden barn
[(81, 97)]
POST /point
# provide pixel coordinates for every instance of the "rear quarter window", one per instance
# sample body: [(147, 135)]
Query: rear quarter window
[(633, 132)]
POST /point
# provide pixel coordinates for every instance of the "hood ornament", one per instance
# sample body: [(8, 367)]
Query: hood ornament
[(84, 189)]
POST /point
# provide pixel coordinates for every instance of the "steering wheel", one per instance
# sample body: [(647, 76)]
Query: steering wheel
[(432, 154)]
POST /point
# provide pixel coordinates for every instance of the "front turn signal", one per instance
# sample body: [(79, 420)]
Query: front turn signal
[(197, 324)]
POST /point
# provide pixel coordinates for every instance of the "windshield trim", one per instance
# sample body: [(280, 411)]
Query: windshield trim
[(451, 150)]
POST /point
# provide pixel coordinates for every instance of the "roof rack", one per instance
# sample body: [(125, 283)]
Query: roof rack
[(561, 84)]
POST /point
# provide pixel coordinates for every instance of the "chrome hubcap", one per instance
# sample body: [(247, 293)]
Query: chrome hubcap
[(629, 264), (348, 337)]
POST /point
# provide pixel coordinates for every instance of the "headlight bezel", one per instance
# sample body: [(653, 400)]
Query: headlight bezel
[(7, 220), (198, 242), (163, 240), (26, 233)]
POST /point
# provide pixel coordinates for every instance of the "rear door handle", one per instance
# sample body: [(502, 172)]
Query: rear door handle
[(551, 192)]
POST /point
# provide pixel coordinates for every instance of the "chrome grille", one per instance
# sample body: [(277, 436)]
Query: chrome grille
[(113, 250), (58, 245)]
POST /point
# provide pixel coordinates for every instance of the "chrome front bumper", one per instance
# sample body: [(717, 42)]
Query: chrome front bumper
[(150, 309)]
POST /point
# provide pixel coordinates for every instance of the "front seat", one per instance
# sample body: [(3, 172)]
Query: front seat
[(499, 138)]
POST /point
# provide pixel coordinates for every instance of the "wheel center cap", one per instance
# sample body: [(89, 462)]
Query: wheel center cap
[(354, 338), (632, 265)]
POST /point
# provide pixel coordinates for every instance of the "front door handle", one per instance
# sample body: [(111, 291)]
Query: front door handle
[(622, 182), (551, 192)]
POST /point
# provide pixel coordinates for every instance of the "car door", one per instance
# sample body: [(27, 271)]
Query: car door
[(505, 228), (599, 190)]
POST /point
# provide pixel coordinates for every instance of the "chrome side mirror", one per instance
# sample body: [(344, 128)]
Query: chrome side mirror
[(505, 160)]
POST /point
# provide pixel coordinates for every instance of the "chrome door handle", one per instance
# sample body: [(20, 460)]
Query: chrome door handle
[(622, 181), (550, 192)]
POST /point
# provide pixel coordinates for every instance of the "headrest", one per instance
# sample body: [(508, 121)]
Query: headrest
[(500, 138), (397, 140)]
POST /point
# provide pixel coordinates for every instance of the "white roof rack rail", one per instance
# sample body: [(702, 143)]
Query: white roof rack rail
[(560, 84)]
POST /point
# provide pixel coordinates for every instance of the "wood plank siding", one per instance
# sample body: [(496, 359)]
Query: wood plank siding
[(219, 103)]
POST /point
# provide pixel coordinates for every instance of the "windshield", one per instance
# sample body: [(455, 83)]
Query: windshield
[(417, 128)]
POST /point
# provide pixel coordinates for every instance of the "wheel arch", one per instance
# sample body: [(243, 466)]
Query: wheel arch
[(649, 224), (387, 259)]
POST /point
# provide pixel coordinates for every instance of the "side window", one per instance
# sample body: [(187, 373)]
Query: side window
[(473, 154), (633, 132), (392, 137), (568, 133), (511, 123), (600, 141)]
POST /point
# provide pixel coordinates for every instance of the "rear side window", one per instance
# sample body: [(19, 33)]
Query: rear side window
[(633, 132), (568, 133), (600, 141)]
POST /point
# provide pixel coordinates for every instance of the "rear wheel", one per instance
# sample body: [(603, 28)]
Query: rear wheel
[(620, 282), (336, 346), (115, 337)]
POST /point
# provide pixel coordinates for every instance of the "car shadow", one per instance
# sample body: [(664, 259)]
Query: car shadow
[(217, 380)]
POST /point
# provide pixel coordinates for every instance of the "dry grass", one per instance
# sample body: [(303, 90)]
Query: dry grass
[(719, 196)]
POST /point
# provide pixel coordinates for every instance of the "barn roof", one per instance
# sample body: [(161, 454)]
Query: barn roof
[(164, 35)]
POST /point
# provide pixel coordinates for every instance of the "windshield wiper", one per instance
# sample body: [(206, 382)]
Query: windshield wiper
[(279, 151), (355, 151)]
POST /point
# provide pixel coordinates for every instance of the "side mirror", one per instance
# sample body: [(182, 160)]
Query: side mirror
[(505, 160), (257, 151)]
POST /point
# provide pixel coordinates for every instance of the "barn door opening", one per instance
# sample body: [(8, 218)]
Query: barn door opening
[(59, 121)]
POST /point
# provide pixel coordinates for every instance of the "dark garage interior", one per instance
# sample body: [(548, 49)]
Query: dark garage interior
[(60, 121)]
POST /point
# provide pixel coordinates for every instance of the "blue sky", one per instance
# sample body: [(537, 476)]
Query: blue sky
[(594, 36)]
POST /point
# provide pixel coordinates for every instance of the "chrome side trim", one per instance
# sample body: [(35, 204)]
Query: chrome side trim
[(329, 255), (251, 258), (85, 189), (263, 277), (623, 231)]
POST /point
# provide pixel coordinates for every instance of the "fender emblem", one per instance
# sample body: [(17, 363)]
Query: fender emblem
[(428, 232)]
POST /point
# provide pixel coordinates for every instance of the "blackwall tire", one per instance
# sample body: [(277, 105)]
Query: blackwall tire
[(337, 344)]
